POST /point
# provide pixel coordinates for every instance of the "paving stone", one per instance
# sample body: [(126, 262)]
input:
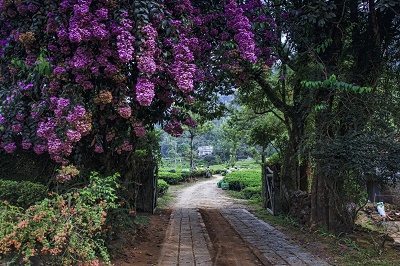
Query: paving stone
[(266, 241), (185, 242)]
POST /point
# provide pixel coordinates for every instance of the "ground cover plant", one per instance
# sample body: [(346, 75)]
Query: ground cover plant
[(61, 229)]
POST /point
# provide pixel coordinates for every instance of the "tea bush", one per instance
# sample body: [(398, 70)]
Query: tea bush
[(171, 178), (63, 229), (162, 187), (241, 179), (247, 182)]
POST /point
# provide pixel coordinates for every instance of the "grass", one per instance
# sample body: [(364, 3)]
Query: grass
[(165, 201), (141, 220)]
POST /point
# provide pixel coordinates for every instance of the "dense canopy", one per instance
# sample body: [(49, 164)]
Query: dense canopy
[(99, 72)]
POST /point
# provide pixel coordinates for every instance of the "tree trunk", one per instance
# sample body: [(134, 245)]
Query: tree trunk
[(293, 174)]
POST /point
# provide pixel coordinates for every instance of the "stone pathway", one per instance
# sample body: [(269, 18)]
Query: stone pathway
[(270, 245), (186, 240)]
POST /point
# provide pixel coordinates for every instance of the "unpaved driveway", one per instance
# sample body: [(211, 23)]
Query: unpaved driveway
[(205, 194)]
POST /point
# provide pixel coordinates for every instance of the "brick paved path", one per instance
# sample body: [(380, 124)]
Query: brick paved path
[(186, 240), (270, 245)]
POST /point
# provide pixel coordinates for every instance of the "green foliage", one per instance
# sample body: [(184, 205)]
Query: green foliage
[(162, 187), (21, 193), (42, 67), (62, 230), (171, 178), (242, 179), (323, 46), (274, 159), (201, 173), (333, 83), (354, 191), (251, 192), (8, 217)]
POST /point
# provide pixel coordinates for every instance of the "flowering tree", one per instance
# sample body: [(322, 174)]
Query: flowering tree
[(94, 74)]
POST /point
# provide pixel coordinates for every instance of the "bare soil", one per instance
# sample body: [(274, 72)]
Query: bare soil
[(228, 248), (145, 247)]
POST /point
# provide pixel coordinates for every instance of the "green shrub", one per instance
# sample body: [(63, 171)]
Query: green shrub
[(162, 187), (241, 179), (219, 172), (21, 193), (274, 159), (251, 192), (200, 173), (185, 175), (65, 229), (171, 178)]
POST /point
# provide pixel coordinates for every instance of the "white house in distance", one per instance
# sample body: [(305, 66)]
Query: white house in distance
[(205, 150)]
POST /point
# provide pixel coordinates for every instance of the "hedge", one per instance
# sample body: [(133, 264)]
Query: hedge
[(162, 187), (171, 178), (241, 179), (174, 178), (21, 193)]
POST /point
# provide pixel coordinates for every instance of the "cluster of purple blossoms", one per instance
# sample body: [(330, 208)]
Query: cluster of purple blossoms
[(102, 13), (98, 148), (26, 144), (46, 129), (126, 146), (139, 130), (60, 105), (84, 25), (174, 128), (39, 148), (78, 24), (16, 128), (190, 122), (73, 135), (144, 91), (146, 63), (59, 70), (125, 111), (81, 59), (241, 26), (25, 86), (76, 114), (183, 69), (10, 147), (125, 39)]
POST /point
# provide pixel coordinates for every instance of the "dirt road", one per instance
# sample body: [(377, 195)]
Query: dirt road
[(205, 194)]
